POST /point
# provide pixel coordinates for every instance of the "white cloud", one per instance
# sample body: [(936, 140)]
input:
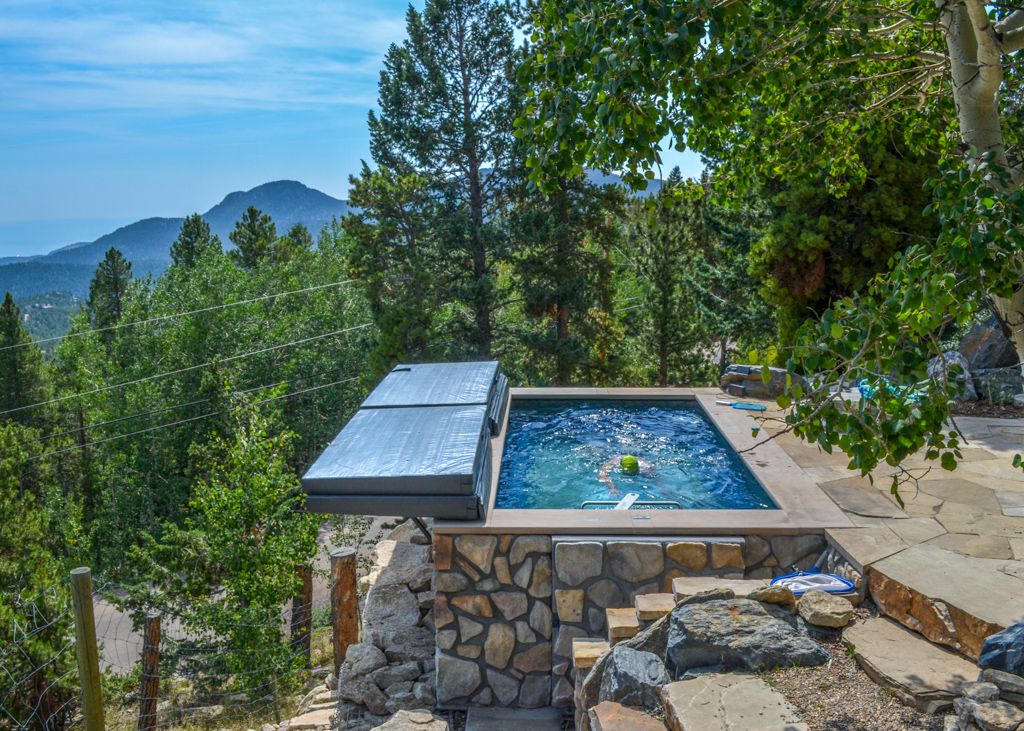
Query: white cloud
[(193, 56)]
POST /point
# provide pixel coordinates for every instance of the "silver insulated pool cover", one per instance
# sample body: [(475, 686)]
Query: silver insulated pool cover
[(417, 447)]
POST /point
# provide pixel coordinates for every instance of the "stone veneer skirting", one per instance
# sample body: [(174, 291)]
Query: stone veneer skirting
[(507, 607)]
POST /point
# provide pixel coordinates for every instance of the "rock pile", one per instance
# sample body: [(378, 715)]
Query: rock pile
[(707, 633), (996, 701), (747, 381), (392, 669)]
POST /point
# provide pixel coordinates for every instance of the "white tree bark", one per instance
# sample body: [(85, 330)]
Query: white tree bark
[(976, 48)]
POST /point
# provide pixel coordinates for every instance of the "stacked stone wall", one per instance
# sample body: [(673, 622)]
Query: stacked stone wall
[(507, 608)]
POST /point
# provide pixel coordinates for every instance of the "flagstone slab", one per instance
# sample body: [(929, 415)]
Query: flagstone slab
[(957, 490), (1011, 502), (727, 702), (864, 546), (916, 530), (921, 673), (974, 545), (858, 495), (951, 599)]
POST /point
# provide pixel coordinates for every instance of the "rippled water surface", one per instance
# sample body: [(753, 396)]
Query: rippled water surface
[(554, 452)]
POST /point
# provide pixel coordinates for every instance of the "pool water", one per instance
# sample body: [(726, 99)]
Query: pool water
[(555, 451)]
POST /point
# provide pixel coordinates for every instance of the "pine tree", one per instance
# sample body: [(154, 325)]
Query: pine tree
[(560, 265), (34, 616), (669, 234), (22, 377), (255, 237), (447, 100), (393, 240), (297, 240), (108, 292), (194, 242)]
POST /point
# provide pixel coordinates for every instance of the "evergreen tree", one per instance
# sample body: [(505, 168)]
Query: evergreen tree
[(108, 292), (560, 244), (668, 235), (297, 240), (447, 98), (820, 245), (393, 240), (254, 237), (34, 618), (22, 376), (194, 242)]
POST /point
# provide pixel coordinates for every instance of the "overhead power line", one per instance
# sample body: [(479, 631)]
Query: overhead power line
[(176, 315), (160, 410), (190, 419), (179, 371)]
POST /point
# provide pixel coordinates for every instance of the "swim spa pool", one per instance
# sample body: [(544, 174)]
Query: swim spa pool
[(566, 453)]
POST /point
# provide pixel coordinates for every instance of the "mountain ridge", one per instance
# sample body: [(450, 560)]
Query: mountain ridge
[(147, 242)]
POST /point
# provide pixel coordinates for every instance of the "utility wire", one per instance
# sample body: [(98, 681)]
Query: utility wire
[(190, 419), (160, 410), (175, 315), (230, 358)]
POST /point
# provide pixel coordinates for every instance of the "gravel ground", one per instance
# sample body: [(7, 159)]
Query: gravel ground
[(839, 696), (988, 409)]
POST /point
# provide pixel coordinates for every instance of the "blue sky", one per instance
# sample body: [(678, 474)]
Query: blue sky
[(114, 111)]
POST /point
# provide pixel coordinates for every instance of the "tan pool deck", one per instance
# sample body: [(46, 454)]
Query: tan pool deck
[(959, 536)]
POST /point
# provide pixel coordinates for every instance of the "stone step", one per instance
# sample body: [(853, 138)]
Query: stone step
[(951, 599), (586, 651), (922, 674), (651, 607), (312, 720), (622, 623), (502, 719), (686, 586), (727, 702), (610, 716)]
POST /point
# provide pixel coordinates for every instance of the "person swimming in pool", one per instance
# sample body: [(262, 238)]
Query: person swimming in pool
[(629, 464)]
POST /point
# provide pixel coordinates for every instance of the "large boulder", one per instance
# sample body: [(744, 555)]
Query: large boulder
[(745, 380), (998, 385), (825, 610), (737, 634), (953, 368), (985, 346), (1004, 650), (633, 678)]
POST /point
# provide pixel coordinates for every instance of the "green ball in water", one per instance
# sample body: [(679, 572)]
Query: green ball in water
[(630, 464)]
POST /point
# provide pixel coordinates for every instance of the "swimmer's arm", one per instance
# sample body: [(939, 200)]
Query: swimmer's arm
[(605, 478)]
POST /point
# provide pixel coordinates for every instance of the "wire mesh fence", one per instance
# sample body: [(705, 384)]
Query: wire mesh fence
[(159, 668)]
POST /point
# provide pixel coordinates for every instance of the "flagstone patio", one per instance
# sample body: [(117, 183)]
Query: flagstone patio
[(949, 561)]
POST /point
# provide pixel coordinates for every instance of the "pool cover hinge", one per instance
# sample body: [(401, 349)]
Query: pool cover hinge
[(423, 528)]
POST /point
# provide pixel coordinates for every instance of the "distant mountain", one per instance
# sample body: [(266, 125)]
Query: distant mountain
[(147, 243)]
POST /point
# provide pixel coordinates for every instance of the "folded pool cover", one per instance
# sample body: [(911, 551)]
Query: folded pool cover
[(418, 446)]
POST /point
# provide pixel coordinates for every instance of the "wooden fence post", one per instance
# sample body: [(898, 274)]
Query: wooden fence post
[(85, 646), (344, 607), (302, 614), (149, 692)]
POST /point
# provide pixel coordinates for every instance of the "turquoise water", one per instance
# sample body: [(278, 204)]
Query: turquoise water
[(554, 452)]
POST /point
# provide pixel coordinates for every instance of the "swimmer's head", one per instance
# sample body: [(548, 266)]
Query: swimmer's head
[(629, 464)]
